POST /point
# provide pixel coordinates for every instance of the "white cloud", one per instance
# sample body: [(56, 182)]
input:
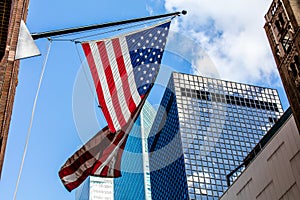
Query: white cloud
[(231, 33), (149, 9)]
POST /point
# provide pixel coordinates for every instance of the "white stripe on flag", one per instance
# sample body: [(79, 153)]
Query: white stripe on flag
[(111, 155), (127, 60), (78, 173), (118, 81), (103, 81), (87, 147)]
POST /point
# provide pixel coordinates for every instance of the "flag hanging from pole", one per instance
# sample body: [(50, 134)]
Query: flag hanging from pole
[(100, 156), (87, 160), (124, 70)]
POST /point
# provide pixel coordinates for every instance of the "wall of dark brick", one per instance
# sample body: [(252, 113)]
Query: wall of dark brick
[(5, 8), (9, 68), (286, 13)]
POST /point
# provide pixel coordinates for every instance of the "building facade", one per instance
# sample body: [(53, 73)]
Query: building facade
[(282, 29), (135, 180), (11, 14), (5, 7), (203, 130), (96, 188), (273, 172)]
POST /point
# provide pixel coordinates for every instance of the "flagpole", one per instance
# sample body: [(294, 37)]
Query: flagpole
[(32, 118), (36, 36)]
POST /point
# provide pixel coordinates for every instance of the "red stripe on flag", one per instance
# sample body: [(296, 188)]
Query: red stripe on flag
[(104, 171), (79, 180), (118, 157), (111, 83), (117, 168), (92, 149), (123, 74), (88, 53), (74, 166)]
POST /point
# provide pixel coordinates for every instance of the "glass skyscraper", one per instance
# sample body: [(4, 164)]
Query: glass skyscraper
[(135, 180), (203, 130)]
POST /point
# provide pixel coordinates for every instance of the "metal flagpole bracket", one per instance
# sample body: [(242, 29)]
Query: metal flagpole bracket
[(98, 26)]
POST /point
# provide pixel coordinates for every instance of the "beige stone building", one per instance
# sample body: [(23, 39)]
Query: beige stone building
[(273, 167)]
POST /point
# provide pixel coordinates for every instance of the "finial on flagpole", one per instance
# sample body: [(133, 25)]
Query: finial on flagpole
[(184, 12)]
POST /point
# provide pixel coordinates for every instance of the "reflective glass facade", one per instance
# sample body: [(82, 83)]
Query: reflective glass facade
[(167, 169), (135, 180), (213, 125)]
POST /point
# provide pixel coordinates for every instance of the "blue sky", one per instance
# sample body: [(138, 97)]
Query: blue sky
[(55, 137)]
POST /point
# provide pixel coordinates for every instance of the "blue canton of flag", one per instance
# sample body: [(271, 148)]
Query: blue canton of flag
[(146, 50)]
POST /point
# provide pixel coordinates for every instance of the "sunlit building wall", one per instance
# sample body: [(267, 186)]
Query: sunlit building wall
[(273, 172)]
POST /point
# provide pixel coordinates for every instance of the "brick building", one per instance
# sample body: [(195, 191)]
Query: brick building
[(11, 13), (282, 29)]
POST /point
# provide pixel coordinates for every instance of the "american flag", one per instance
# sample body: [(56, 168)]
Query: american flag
[(124, 70), (100, 156), (93, 159)]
